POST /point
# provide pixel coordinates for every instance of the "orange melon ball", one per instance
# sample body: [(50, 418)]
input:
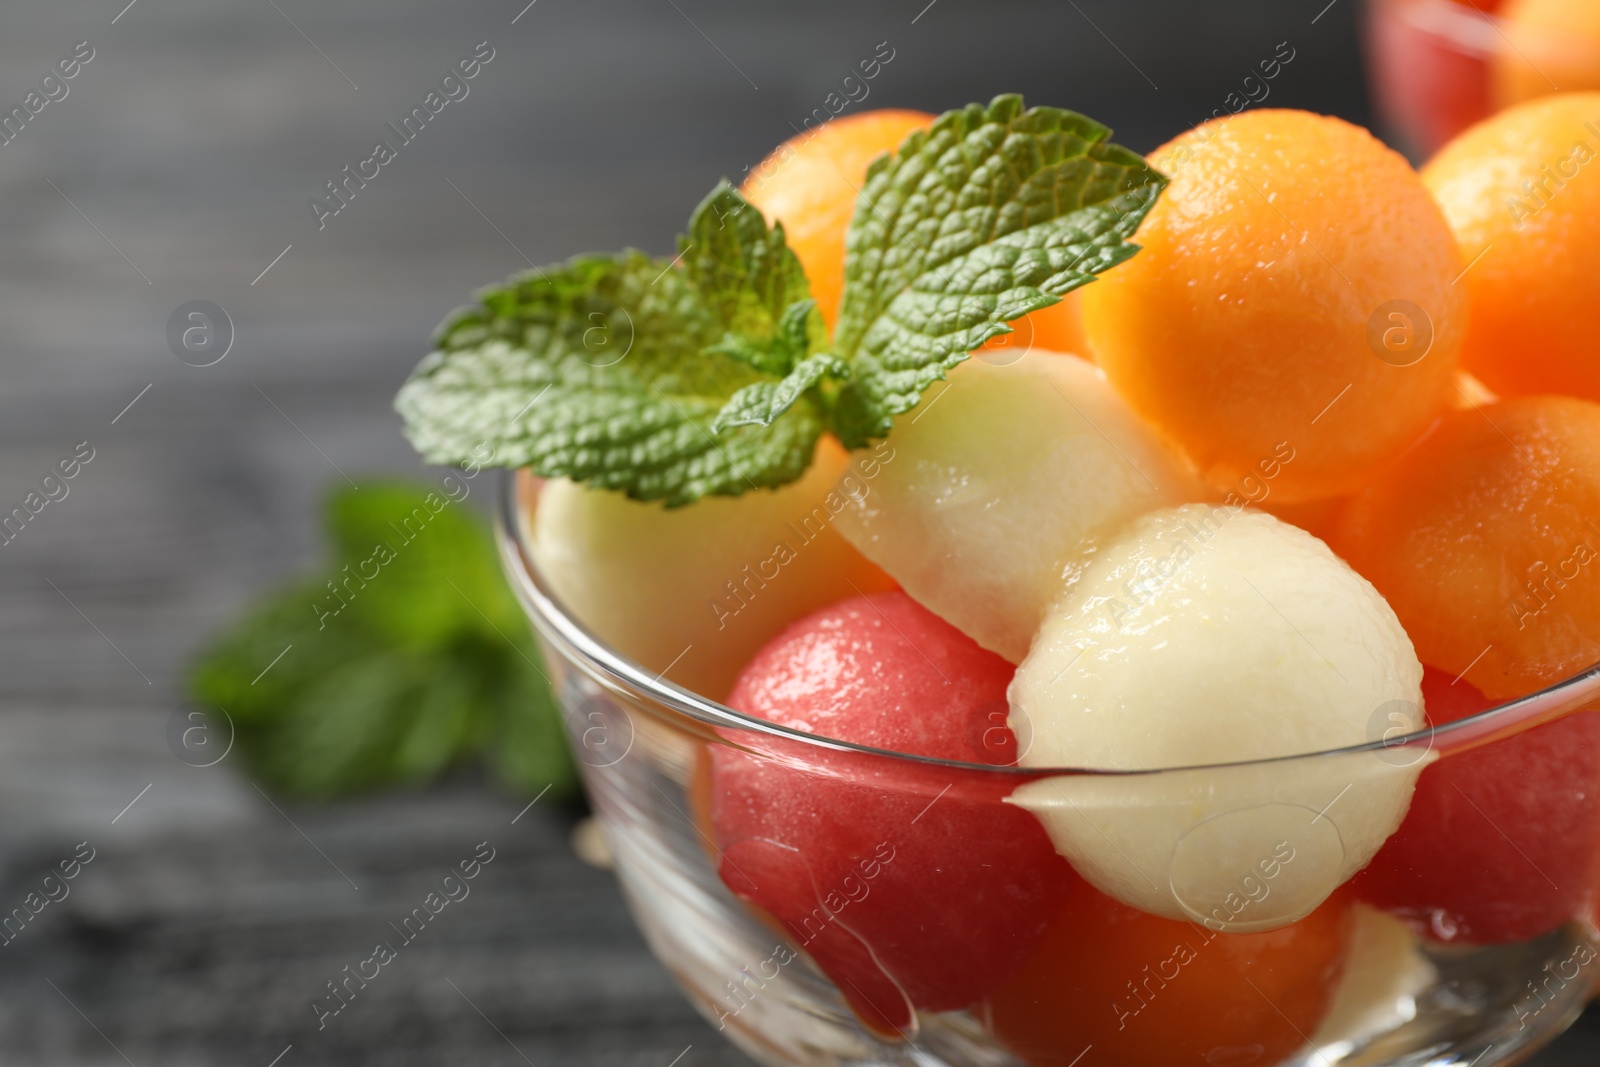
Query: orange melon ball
[(1522, 190), (1550, 46), (1134, 990), (1484, 541), (1293, 292), (810, 184)]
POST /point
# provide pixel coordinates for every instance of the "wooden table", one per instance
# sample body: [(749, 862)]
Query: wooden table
[(179, 167)]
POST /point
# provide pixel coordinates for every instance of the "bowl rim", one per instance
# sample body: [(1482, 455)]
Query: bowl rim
[(552, 620)]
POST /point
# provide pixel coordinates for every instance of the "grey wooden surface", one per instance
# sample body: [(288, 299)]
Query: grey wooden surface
[(178, 167)]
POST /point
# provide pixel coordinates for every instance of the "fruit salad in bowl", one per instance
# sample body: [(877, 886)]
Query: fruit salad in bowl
[(1017, 601), (1438, 66)]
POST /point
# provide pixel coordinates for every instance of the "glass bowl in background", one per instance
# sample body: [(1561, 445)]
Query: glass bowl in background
[(1438, 66), (950, 941)]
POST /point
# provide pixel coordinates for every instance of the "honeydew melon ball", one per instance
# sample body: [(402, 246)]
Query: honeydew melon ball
[(696, 591), (985, 495), (1213, 635)]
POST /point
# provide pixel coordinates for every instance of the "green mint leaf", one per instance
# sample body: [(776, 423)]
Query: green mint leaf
[(991, 213), (407, 657), (530, 747), (800, 327), (762, 403), (444, 577), (614, 370), (748, 277), (773, 357), (798, 332), (710, 373)]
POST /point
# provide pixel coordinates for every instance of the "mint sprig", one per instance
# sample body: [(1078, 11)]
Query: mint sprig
[(752, 282), (712, 373), (613, 370), (406, 657)]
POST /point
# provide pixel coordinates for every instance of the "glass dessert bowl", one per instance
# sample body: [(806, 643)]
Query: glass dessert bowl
[(1220, 698), (1273, 955)]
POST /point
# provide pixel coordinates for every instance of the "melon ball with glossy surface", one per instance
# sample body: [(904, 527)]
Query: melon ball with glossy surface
[(1550, 46), (1521, 190), (913, 886), (1501, 843), (695, 591), (990, 489), (1210, 635), (1262, 308), (1486, 539), (1141, 991)]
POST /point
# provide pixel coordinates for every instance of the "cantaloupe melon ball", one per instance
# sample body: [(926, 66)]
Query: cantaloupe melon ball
[(695, 591), (1293, 287), (993, 485), (1550, 46), (1208, 635)]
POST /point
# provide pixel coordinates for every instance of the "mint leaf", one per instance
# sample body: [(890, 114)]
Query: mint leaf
[(407, 657), (444, 580), (712, 373), (991, 213), (614, 370), (798, 331), (751, 282), (762, 403), (529, 750)]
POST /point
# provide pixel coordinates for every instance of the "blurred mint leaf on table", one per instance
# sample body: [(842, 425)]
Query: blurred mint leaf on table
[(712, 372), (408, 656)]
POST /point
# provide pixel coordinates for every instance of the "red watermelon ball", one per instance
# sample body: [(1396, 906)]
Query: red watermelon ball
[(1501, 843), (913, 886)]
